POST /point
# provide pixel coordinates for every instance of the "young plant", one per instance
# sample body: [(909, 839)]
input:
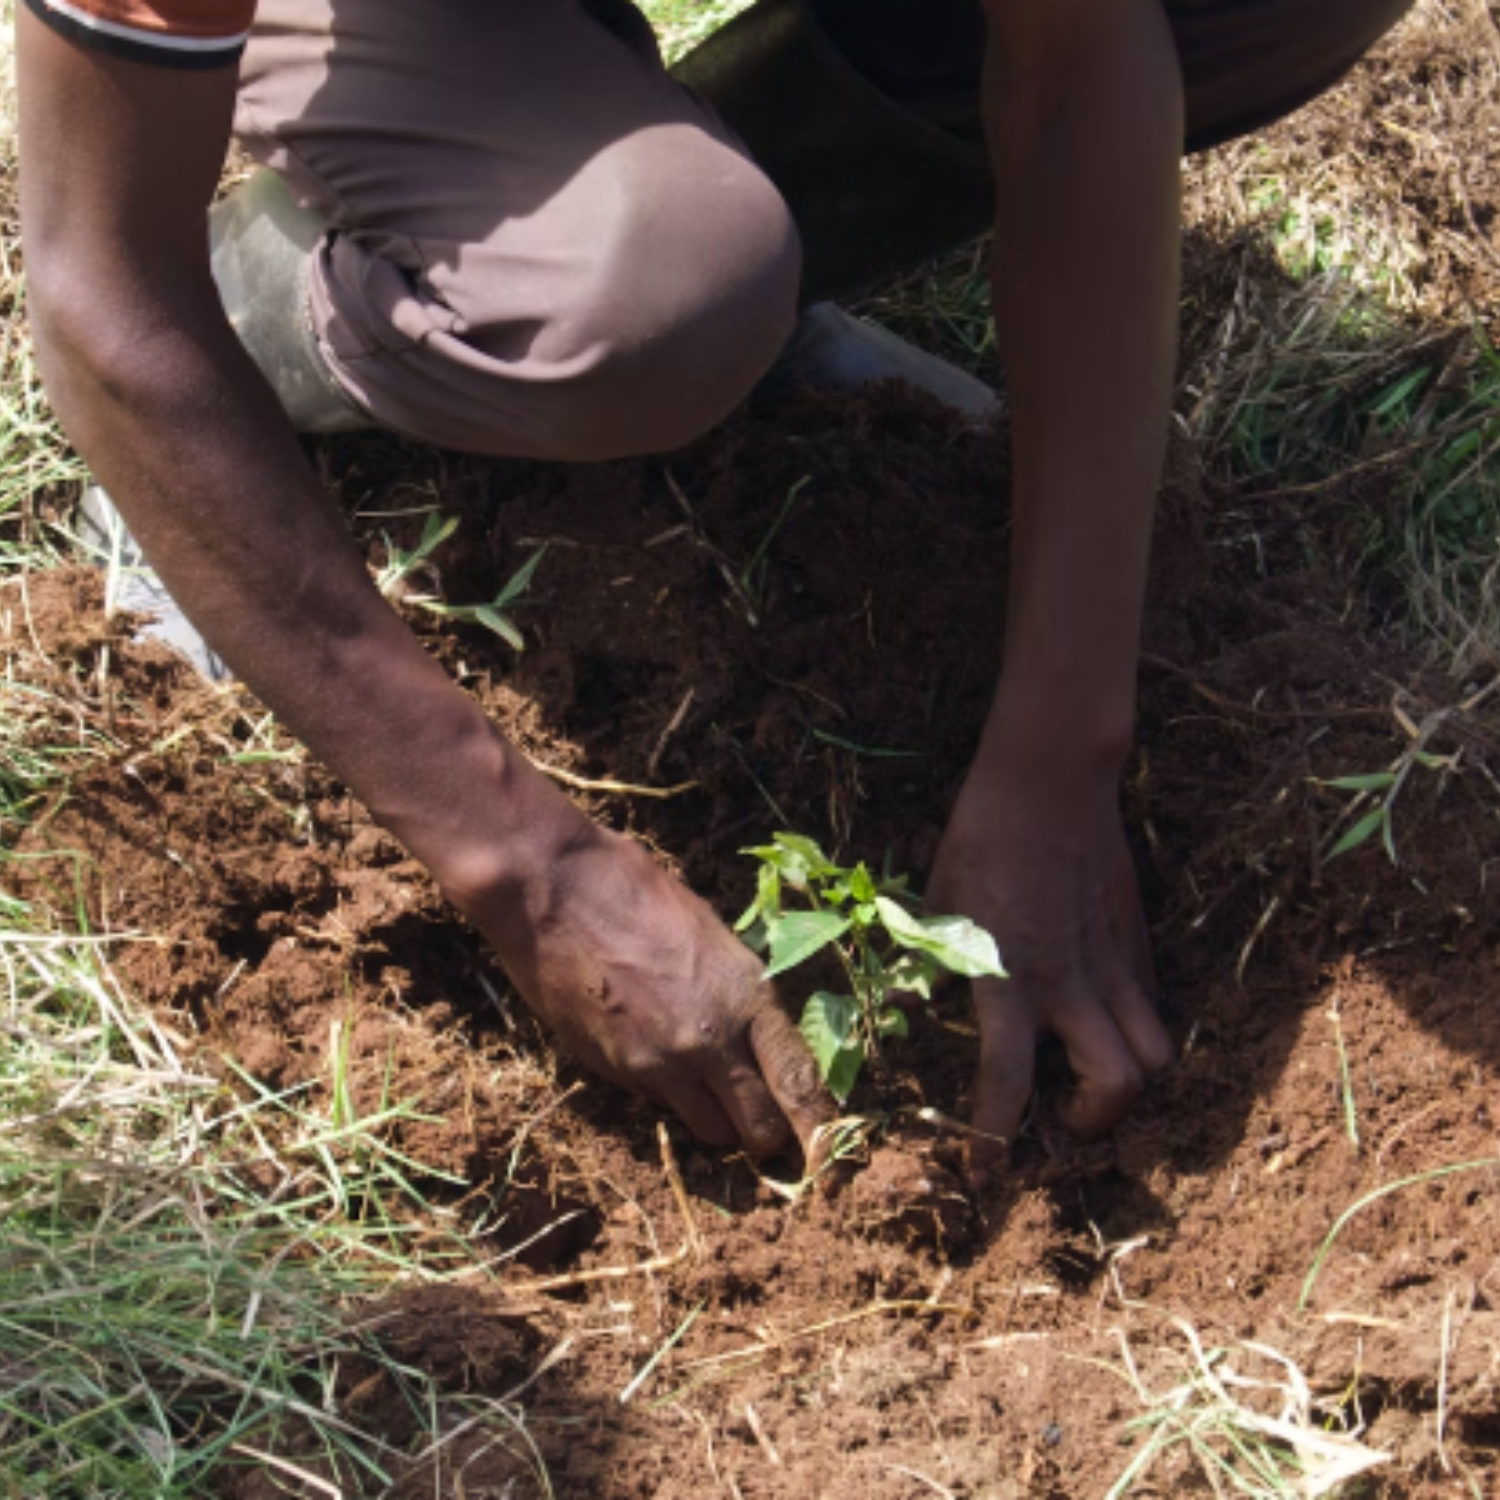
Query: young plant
[(885, 949), (401, 565), (1384, 787), (493, 615)]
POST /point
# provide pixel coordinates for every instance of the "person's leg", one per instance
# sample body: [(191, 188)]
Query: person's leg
[(536, 244), (866, 113)]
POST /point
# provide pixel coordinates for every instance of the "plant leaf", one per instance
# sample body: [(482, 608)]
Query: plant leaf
[(805, 857), (488, 615), (961, 946), (520, 580), (1358, 834), (796, 936), (796, 859), (829, 1026), (753, 933), (914, 973), (1375, 781), (862, 883), (893, 1022)]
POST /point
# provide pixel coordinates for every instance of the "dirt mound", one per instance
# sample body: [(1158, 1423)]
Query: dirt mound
[(801, 617)]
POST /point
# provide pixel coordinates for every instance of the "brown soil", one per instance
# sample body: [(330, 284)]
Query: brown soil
[(879, 621), (893, 1336)]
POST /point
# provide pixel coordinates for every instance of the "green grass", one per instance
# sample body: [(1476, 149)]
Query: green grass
[(682, 24), (181, 1261)]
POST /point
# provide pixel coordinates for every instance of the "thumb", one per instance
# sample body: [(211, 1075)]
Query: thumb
[(790, 1072), (1002, 1085)]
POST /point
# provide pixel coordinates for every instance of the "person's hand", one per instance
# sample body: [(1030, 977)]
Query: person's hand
[(646, 987), (1038, 856)]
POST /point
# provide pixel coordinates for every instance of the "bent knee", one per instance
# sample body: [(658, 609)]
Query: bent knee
[(628, 315), (680, 313)]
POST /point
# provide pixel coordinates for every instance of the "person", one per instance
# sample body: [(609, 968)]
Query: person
[(505, 227)]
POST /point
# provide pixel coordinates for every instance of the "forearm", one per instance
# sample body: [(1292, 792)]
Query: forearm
[(1085, 130), (190, 442)]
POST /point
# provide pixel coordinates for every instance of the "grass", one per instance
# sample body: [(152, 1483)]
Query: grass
[(1260, 1435), (182, 1261)]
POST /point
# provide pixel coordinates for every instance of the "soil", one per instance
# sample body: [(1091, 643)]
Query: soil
[(1337, 1020), (895, 1327)]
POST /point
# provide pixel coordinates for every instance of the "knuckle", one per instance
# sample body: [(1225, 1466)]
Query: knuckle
[(1121, 1082), (765, 1136)]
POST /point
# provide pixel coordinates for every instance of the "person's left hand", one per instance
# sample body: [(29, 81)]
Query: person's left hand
[(1036, 853)]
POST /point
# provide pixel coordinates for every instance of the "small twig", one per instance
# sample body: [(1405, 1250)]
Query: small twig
[(921, 1478), (673, 725), (1255, 937), (720, 561), (1229, 705), (644, 1374), (321, 1485), (674, 1181), (1442, 1395), (930, 1116), (619, 788), (752, 1420), (875, 1310), (599, 1273)]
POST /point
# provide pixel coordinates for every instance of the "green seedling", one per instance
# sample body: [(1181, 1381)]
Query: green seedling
[(885, 949), (1384, 787), (493, 615), (401, 565)]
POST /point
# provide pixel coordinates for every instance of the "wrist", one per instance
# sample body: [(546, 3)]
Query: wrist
[(489, 827), (1052, 734)]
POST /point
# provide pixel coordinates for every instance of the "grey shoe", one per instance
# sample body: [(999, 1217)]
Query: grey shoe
[(830, 351), (132, 584), (261, 245)]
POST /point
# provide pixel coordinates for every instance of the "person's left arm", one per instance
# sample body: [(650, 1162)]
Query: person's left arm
[(1084, 116)]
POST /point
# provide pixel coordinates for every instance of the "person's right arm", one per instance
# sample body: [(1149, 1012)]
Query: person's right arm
[(119, 161)]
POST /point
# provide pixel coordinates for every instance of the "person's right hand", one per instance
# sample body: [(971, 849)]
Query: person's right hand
[(646, 987)]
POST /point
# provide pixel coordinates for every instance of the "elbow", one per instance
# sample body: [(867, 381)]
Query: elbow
[(71, 334), (97, 342)]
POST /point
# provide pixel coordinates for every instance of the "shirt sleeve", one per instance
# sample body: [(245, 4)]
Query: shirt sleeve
[(175, 33)]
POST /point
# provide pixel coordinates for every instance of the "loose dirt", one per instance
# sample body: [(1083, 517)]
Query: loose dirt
[(893, 1334)]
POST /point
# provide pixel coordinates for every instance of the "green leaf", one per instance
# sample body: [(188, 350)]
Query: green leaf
[(796, 859), (796, 936), (520, 580), (862, 883), (818, 864), (435, 531), (1359, 833), (893, 1022), (957, 943), (1376, 781), (830, 1027), (753, 933), (915, 973), (488, 615)]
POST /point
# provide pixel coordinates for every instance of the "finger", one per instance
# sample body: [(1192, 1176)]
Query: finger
[(1132, 1002), (1147, 1038), (790, 1073), (757, 1118), (1002, 1085), (695, 1105), (1108, 1072)]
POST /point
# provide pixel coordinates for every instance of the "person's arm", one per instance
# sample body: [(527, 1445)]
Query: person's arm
[(119, 160), (1084, 117)]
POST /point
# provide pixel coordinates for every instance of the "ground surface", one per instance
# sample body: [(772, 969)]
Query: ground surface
[(1338, 1021), (281, 911)]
